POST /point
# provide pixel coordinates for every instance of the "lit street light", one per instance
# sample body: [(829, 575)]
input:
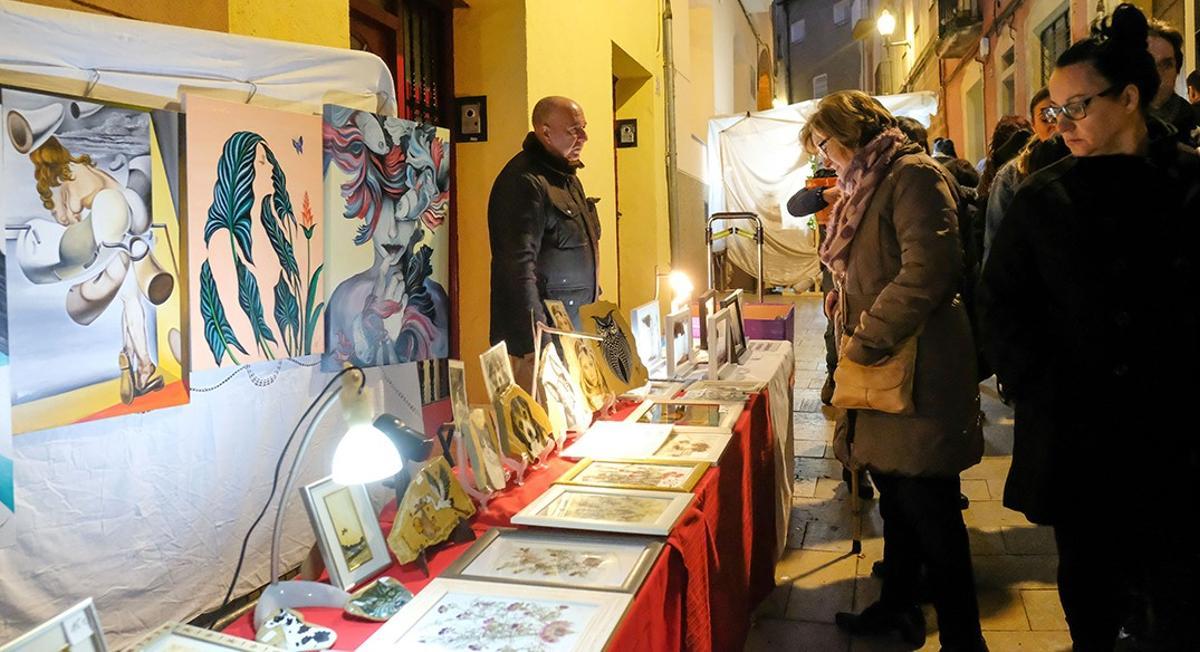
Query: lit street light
[(886, 23)]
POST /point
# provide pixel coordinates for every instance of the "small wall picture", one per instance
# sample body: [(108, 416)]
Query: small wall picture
[(348, 534), (497, 370), (627, 133)]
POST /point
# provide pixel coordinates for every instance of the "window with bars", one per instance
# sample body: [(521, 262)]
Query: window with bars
[(413, 37), (1055, 38)]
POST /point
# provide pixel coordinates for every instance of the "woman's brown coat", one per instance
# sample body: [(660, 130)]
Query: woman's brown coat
[(902, 276)]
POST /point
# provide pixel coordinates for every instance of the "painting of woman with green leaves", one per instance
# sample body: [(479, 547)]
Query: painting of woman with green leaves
[(256, 242)]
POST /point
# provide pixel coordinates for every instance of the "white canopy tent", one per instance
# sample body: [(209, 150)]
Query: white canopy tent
[(755, 163)]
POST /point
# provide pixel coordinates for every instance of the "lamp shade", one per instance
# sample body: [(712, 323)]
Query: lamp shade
[(364, 455)]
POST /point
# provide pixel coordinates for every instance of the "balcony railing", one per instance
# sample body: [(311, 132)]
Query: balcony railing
[(960, 23)]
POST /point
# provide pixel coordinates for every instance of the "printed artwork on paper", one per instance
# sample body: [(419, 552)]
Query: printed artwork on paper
[(462, 621), (387, 249), (92, 236), (255, 233), (691, 446), (637, 510), (526, 424), (617, 353), (477, 434), (626, 474), (433, 505), (684, 414), (560, 388), (497, 370), (579, 562), (348, 526)]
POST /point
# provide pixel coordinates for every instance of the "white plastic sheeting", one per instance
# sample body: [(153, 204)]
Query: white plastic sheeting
[(148, 59), (757, 163), (146, 513)]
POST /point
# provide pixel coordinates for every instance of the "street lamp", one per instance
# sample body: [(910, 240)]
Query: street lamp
[(886, 23)]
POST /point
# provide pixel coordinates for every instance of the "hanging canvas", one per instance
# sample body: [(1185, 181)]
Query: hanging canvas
[(92, 237), (617, 353), (387, 249), (255, 237)]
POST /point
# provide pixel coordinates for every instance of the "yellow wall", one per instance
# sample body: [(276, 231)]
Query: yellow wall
[(518, 51), (202, 14)]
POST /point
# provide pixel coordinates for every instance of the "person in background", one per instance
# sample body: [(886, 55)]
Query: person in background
[(1166, 46), (1009, 136), (914, 130), (544, 231), (1009, 176), (895, 257), (1193, 91), (1098, 361)]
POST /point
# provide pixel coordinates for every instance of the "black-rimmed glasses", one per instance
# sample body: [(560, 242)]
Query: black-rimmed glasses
[(1076, 110)]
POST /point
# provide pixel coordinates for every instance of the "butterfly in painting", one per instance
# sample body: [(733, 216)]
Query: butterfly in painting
[(298, 143)]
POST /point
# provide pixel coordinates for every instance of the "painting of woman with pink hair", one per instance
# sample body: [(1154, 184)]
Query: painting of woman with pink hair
[(388, 256)]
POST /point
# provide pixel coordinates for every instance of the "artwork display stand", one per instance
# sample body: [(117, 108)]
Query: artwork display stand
[(466, 475), (517, 466)]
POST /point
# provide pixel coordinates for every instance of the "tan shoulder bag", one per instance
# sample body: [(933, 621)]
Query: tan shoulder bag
[(886, 386)]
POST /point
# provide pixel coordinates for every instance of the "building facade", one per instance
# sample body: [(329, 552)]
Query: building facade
[(817, 51)]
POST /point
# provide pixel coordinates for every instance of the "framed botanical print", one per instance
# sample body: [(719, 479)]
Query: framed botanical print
[(605, 510), (348, 534), (455, 614), (582, 561), (722, 390), (681, 356), (527, 427), (616, 353), (77, 629), (696, 416), (645, 322), (635, 474), (618, 439), (720, 343), (177, 637), (497, 370), (696, 446)]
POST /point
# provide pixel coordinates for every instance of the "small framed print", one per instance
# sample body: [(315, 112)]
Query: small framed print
[(626, 133), (694, 446), (681, 356), (618, 439), (455, 614), (738, 326), (582, 561), (656, 475), (351, 542), (76, 629), (605, 510), (497, 370), (646, 323), (694, 416), (662, 390), (177, 637), (720, 343), (722, 390), (706, 305)]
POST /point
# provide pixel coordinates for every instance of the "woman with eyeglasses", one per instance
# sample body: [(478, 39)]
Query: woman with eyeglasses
[(893, 249), (1089, 314)]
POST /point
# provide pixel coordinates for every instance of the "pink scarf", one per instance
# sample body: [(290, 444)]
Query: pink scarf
[(868, 167)]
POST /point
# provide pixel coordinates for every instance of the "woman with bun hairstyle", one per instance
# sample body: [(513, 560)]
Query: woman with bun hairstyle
[(893, 251), (1089, 314)]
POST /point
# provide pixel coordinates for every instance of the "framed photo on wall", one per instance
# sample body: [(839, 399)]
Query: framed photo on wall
[(580, 561), (351, 542)]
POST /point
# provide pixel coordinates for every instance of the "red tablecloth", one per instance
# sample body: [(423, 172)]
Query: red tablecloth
[(718, 563)]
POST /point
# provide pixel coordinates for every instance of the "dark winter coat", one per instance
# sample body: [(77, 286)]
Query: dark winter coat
[(903, 275), (1089, 313), (544, 233)]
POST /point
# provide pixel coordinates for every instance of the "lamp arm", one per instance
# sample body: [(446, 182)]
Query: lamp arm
[(291, 479)]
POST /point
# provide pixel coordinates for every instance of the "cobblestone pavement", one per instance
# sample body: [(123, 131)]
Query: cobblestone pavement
[(1014, 560)]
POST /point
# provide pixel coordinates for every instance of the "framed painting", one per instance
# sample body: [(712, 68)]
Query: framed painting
[(694, 416), (76, 629), (348, 533), (432, 507), (95, 324), (255, 240), (581, 561), (720, 343), (738, 325), (681, 353), (497, 370), (662, 390), (526, 424), (177, 637), (455, 614), (618, 439), (477, 434), (387, 243), (617, 354), (725, 391), (645, 321), (693, 446), (635, 474), (606, 510)]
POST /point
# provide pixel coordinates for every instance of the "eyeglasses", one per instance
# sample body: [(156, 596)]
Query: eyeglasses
[(1076, 110), (821, 145)]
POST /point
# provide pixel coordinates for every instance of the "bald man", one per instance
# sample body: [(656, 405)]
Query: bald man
[(544, 231)]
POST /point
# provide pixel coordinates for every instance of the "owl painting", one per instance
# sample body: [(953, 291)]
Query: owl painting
[(622, 367)]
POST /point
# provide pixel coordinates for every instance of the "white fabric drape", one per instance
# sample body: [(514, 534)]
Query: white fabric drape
[(756, 163)]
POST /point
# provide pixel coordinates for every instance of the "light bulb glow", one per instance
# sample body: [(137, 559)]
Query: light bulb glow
[(886, 23), (364, 455), (681, 288)]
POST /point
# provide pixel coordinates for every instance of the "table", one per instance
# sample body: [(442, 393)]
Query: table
[(718, 564)]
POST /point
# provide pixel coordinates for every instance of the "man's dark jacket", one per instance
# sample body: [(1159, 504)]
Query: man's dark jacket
[(544, 233)]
